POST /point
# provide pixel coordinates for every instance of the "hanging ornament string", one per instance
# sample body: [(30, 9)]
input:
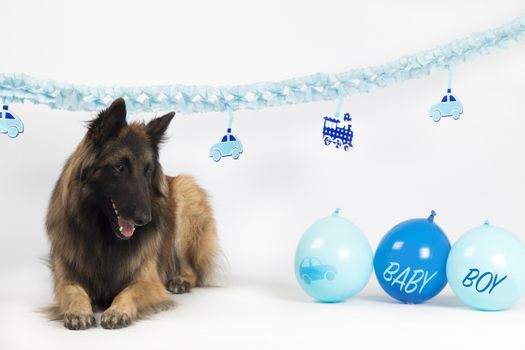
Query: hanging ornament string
[(230, 117), (449, 78), (340, 100), (20, 88)]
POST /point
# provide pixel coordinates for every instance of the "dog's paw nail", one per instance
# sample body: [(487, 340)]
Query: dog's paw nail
[(79, 319), (112, 319), (179, 286)]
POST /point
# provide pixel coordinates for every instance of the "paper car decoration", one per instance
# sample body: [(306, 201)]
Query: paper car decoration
[(450, 106), (10, 124), (230, 145)]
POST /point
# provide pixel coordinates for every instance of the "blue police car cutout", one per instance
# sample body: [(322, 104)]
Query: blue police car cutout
[(230, 145), (312, 269), (10, 124), (450, 106)]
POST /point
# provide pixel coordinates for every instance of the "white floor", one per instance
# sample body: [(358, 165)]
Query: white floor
[(250, 313)]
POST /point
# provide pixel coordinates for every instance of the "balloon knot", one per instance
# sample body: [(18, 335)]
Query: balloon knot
[(432, 215)]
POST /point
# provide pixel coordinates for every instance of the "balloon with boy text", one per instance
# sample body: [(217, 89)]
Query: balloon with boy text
[(333, 260), (410, 260), (486, 268)]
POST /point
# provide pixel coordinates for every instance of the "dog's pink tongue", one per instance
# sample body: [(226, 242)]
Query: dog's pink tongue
[(127, 227)]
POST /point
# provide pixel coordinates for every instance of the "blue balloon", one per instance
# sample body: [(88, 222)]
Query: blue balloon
[(411, 259), (486, 268), (333, 260)]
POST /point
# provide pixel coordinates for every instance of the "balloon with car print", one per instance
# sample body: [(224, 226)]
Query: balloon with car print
[(410, 260), (333, 260), (486, 268)]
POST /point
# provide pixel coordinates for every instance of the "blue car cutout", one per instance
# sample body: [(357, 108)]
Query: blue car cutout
[(449, 106), (10, 124), (312, 269), (230, 145)]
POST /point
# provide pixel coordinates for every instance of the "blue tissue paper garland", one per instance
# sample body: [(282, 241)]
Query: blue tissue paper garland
[(20, 88)]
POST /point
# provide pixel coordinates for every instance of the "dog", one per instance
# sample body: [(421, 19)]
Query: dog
[(122, 232)]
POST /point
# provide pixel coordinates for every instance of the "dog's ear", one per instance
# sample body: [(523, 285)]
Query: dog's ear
[(157, 127), (109, 122)]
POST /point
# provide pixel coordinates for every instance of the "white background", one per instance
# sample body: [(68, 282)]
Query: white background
[(402, 166)]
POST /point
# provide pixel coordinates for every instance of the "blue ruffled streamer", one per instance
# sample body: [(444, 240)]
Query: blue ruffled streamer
[(187, 99)]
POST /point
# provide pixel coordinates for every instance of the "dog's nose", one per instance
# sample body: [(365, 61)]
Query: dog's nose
[(141, 218)]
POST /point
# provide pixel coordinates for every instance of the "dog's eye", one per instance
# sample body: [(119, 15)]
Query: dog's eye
[(148, 170), (119, 168)]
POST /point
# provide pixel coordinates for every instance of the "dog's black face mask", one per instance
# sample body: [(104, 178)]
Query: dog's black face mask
[(125, 186), (127, 171)]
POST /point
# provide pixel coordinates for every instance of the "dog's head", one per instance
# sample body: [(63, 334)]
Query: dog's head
[(125, 172)]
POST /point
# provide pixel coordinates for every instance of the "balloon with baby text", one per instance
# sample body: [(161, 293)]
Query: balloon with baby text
[(333, 260), (486, 268), (410, 261)]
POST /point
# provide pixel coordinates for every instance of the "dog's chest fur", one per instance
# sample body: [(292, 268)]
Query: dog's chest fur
[(104, 265)]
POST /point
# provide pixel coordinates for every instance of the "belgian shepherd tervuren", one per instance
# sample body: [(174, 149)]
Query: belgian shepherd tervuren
[(122, 233)]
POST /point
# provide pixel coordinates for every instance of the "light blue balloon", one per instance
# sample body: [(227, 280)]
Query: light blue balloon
[(486, 268), (333, 260)]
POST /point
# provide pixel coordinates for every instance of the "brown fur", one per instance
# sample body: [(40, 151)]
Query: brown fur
[(175, 251)]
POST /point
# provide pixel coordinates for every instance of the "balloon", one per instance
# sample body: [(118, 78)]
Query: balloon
[(411, 259), (333, 260), (486, 268)]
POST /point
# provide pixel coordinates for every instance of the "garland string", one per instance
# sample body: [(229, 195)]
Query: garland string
[(20, 88)]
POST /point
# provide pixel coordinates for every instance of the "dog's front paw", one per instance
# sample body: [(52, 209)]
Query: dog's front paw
[(112, 319), (79, 319), (178, 285)]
